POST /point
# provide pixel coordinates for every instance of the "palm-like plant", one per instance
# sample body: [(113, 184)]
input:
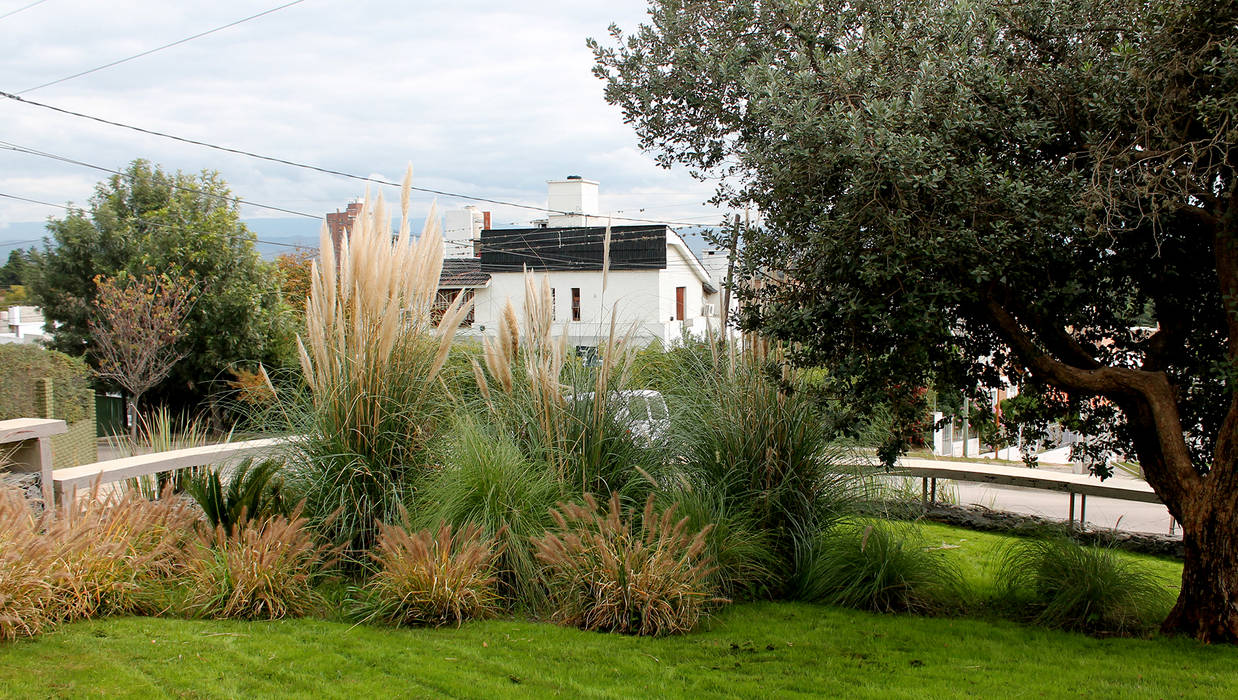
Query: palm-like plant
[(254, 490)]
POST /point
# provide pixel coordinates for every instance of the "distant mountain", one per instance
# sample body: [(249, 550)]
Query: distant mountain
[(275, 236)]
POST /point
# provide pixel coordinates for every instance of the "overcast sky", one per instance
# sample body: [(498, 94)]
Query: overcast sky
[(484, 98)]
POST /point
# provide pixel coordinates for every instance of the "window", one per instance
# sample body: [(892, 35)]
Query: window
[(681, 298), (575, 303), (443, 298)]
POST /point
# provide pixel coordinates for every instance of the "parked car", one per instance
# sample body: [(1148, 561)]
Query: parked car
[(644, 410)]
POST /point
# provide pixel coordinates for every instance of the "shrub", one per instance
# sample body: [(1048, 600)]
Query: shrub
[(24, 365), (25, 568), (742, 552), (261, 569), (607, 573), (875, 565), (489, 483), (372, 357), (762, 448), (112, 554), (253, 492), (432, 578), (558, 412), (1057, 582)]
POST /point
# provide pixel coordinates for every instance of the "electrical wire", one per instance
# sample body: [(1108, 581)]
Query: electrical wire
[(315, 168), (21, 9), (9, 146), (157, 48), (162, 224)]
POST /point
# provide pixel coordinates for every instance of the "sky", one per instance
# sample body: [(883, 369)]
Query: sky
[(487, 99)]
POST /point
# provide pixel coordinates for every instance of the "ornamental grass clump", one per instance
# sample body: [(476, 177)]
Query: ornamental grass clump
[(94, 556), (1060, 583), (432, 578), (25, 569), (261, 569), (607, 572), (876, 565), (487, 482), (372, 358)]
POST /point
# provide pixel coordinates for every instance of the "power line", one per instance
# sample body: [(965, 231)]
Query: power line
[(315, 168), (9, 146), (162, 224), (157, 48), (20, 9)]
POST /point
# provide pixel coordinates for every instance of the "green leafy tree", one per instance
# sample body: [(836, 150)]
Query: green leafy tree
[(183, 226), (14, 271), (1020, 182)]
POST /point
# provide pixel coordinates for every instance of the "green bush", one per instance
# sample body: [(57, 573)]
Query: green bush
[(487, 481), (875, 565), (1057, 582), (742, 552), (763, 452), (254, 491), (24, 365)]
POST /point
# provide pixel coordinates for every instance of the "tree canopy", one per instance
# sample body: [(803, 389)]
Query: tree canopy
[(961, 193), (176, 224)]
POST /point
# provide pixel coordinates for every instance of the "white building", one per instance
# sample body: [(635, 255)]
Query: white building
[(23, 324), (655, 284)]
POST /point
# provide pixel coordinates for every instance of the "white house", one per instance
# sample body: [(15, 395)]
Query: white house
[(655, 284), (23, 324)]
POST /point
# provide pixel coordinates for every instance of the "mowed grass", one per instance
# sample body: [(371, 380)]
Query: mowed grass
[(753, 650)]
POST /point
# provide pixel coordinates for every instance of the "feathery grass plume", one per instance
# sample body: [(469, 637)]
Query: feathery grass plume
[(263, 569), (26, 564), (1057, 582), (488, 482), (112, 553), (547, 404), (760, 445), (606, 573), (431, 578), (372, 356), (876, 565)]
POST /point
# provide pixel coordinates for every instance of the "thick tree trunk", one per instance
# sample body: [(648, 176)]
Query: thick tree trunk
[(1207, 608)]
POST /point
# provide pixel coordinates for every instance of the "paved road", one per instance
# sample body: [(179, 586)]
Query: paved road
[(1129, 516)]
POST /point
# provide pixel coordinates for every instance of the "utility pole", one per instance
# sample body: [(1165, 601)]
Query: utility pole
[(730, 273)]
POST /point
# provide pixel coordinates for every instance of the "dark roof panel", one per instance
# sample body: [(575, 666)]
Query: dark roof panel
[(573, 248), (462, 272)]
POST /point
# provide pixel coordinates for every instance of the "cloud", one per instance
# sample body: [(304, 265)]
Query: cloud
[(484, 98)]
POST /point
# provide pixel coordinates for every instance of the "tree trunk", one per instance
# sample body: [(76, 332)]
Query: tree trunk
[(131, 413), (1207, 608)]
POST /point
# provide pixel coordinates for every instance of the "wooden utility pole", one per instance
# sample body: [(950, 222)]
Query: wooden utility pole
[(730, 273)]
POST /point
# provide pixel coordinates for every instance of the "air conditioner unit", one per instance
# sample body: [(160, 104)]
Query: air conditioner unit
[(709, 310)]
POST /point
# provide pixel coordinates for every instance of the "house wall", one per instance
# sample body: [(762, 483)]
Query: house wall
[(643, 299)]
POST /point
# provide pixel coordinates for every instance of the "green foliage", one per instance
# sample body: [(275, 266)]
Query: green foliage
[(24, 365), (431, 579), (16, 269), (366, 445), (606, 572), (254, 491), (1059, 583), (947, 182), (875, 565), (757, 453), (183, 225), (486, 481)]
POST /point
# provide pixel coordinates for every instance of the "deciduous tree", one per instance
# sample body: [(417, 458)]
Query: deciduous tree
[(135, 329)]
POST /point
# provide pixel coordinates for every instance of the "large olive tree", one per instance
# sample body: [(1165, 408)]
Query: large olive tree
[(961, 192)]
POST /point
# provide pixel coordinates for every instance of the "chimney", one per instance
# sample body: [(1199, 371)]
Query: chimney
[(576, 197), (485, 215)]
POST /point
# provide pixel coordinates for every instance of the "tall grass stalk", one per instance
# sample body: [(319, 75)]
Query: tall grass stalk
[(372, 357)]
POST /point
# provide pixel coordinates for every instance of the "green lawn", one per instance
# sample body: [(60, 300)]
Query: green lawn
[(755, 650)]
